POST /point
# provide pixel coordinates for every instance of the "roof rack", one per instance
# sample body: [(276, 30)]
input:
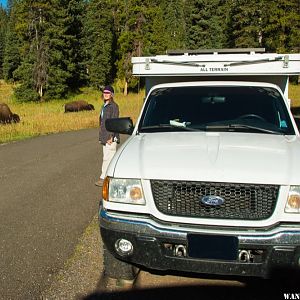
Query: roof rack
[(216, 51)]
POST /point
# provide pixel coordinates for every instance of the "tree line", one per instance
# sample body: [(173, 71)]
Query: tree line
[(51, 48)]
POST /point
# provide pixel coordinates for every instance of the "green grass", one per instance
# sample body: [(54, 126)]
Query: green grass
[(49, 117)]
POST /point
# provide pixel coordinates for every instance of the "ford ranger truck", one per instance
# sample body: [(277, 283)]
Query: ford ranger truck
[(207, 182)]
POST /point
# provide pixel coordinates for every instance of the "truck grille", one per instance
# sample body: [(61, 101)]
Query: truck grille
[(242, 201)]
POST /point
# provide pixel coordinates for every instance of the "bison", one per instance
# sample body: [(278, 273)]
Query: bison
[(6, 116), (78, 106)]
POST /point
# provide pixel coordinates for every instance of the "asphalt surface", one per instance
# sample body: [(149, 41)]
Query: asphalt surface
[(47, 199)]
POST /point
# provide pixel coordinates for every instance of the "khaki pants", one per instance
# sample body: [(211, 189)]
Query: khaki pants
[(108, 153)]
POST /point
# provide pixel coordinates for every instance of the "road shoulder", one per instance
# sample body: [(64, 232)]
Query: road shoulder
[(81, 273)]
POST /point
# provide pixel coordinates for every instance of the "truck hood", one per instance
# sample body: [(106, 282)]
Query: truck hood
[(211, 156)]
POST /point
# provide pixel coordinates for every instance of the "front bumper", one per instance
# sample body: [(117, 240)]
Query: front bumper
[(259, 253)]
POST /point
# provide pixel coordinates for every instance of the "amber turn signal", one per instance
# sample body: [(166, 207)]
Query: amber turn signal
[(105, 189)]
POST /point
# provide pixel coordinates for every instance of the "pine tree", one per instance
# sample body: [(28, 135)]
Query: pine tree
[(174, 23), (246, 23), (165, 27), (74, 57), (155, 39), (99, 41), (10, 4), (50, 48), (62, 36), (282, 25), (3, 30), (207, 24), (294, 35), (130, 41), (31, 24), (134, 36), (11, 60)]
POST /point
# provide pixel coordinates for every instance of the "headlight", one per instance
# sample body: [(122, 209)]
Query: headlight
[(124, 191), (293, 201)]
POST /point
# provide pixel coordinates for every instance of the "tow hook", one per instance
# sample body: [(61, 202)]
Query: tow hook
[(180, 250), (245, 256)]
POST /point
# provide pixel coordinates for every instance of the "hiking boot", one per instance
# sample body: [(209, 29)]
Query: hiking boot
[(99, 182)]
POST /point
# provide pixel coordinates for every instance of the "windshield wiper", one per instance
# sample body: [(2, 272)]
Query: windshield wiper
[(183, 126), (242, 126), (172, 125)]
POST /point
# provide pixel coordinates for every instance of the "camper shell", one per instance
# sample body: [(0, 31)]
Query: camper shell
[(218, 64), (217, 190)]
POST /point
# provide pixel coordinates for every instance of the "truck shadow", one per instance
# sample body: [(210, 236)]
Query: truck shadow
[(285, 286), (194, 293)]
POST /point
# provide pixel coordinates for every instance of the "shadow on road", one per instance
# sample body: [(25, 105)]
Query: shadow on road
[(196, 293), (285, 286)]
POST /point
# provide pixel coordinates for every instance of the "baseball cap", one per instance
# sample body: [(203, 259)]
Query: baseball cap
[(108, 89)]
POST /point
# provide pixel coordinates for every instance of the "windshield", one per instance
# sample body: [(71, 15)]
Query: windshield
[(216, 108)]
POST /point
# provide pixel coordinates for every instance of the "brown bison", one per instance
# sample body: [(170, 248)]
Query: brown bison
[(78, 106), (6, 116)]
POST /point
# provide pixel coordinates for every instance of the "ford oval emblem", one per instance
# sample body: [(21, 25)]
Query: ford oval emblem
[(212, 200)]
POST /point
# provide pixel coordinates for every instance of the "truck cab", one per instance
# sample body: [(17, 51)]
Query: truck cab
[(208, 180)]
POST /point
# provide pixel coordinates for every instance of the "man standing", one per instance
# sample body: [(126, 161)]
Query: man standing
[(109, 140)]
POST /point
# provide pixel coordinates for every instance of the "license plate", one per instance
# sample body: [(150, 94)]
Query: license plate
[(213, 246)]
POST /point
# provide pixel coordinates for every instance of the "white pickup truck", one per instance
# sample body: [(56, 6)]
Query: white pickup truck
[(208, 181)]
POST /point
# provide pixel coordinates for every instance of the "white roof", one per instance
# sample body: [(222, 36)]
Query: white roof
[(215, 64)]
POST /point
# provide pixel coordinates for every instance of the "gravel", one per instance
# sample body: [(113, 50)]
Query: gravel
[(82, 272)]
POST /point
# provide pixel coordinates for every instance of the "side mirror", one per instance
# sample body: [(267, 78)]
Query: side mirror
[(120, 125)]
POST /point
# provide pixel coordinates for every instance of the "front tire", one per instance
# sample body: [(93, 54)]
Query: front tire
[(117, 269)]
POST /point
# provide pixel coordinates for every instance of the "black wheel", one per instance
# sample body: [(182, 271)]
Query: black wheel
[(252, 116), (115, 268)]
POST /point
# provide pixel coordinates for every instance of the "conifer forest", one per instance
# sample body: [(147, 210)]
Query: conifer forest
[(51, 48)]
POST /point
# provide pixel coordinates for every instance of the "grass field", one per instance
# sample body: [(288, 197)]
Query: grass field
[(294, 95), (49, 117)]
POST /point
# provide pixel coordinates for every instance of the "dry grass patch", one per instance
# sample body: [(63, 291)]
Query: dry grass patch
[(6, 91), (294, 95), (49, 117)]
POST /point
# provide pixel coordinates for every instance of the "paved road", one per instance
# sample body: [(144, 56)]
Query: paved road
[(47, 199)]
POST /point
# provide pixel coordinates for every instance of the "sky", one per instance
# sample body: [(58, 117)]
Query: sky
[(3, 2)]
